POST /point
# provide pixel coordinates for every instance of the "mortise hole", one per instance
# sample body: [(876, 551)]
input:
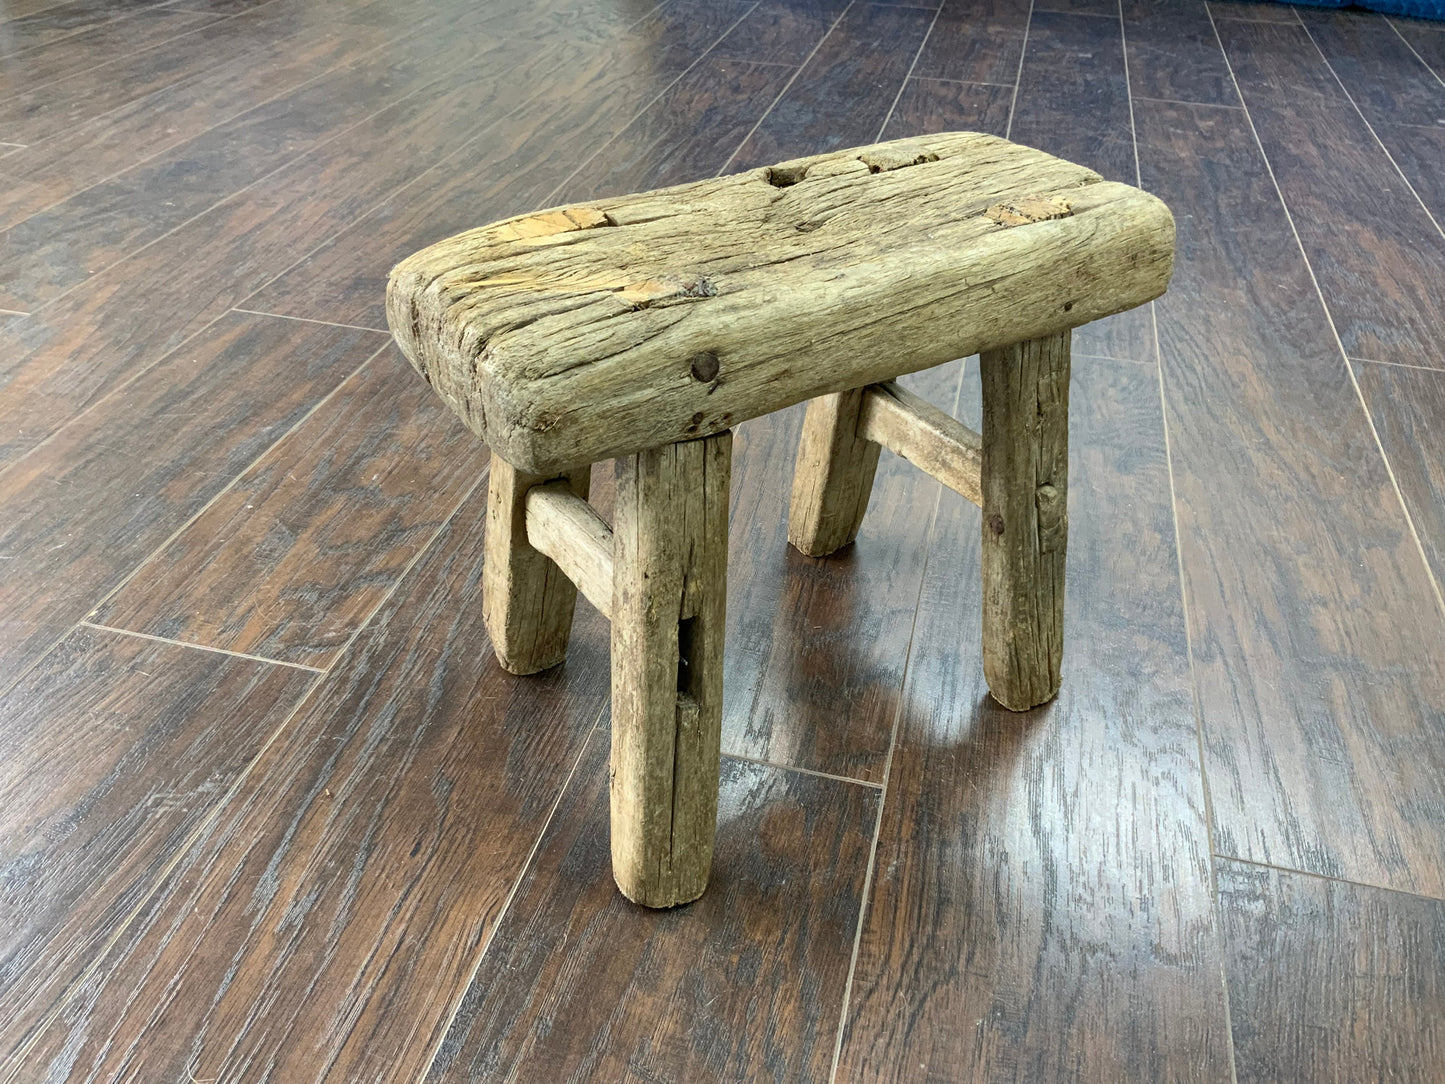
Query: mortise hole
[(686, 630)]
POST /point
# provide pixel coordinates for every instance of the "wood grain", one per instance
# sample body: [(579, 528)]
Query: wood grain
[(1425, 38), (63, 22), (294, 557), (1315, 632), (976, 41), (1073, 101), (80, 513), (842, 95), (926, 106), (778, 33), (1174, 53), (643, 286), (132, 314), (1041, 904), (519, 166), (99, 123), (1408, 409), (117, 750), (832, 475), (744, 984), (1377, 255), (325, 926), (1331, 981)]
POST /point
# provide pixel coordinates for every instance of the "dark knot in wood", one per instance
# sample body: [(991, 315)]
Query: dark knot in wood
[(995, 524), (705, 365)]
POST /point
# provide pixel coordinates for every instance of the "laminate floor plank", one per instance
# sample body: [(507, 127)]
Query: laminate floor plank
[(117, 749), (50, 253), (929, 106), (82, 512), (1332, 982), (1174, 53), (1259, 11), (778, 33), (148, 30), (1073, 101), (976, 41), (130, 315), (63, 21), (842, 96), (1426, 38), (326, 926), (1398, 94), (292, 559), (1408, 409), (519, 166), (1316, 637), (1378, 256), (1041, 906), (102, 88), (745, 984)]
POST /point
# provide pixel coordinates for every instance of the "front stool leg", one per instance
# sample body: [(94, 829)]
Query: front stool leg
[(527, 602), (1025, 489), (832, 477), (669, 599)]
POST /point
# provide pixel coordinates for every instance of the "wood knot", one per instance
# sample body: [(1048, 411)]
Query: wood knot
[(1021, 212), (995, 524), (704, 365)]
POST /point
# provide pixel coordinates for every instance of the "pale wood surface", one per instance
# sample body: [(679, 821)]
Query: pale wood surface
[(832, 476), (565, 528), (527, 602), (936, 443), (604, 328), (1025, 518), (668, 608)]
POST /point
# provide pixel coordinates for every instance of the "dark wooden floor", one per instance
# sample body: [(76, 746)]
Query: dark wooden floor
[(269, 810)]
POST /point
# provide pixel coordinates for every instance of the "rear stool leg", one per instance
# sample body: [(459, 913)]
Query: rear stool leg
[(670, 536), (1025, 484), (833, 475), (527, 602)]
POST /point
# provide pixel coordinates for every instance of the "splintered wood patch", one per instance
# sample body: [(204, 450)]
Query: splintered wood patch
[(544, 225), (1030, 209)]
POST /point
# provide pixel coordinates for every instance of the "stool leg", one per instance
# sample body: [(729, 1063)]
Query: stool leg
[(1025, 518), (669, 599), (526, 600), (833, 475)]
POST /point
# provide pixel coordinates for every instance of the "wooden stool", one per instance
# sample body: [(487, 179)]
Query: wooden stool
[(646, 327)]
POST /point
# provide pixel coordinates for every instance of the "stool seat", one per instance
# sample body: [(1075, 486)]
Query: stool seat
[(619, 325)]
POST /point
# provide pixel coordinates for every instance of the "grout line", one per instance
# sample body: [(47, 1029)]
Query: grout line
[(904, 84), (748, 60), (1329, 317), (74, 33), (123, 925), (1398, 365), (198, 647), (888, 765), (1335, 880), (803, 771), (786, 87), (959, 82), (1019, 75), (12, 312), (446, 1027), (308, 320), (1181, 101), (1410, 45), (1133, 129)]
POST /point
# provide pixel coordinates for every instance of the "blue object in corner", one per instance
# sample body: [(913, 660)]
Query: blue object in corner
[(1419, 9)]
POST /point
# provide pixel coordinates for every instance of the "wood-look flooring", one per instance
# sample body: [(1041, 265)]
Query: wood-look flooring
[(269, 810)]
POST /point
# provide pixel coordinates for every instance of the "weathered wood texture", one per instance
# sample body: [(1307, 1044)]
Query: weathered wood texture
[(527, 601), (746, 984), (1025, 518), (737, 308), (668, 609), (1331, 981), (936, 443), (832, 476), (563, 526)]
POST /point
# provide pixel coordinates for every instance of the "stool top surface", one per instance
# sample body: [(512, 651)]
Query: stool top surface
[(603, 328)]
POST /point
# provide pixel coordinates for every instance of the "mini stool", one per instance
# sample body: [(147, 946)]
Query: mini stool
[(645, 327)]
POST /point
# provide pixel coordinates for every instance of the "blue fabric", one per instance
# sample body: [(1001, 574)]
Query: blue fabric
[(1420, 9)]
